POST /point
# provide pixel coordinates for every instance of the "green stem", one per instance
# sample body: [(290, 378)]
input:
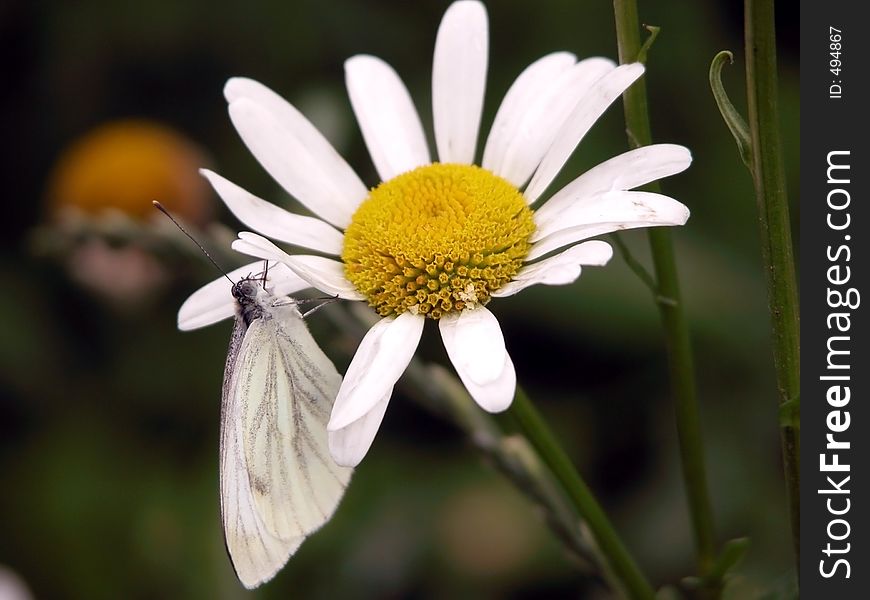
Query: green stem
[(633, 264), (673, 316), (535, 429), (639, 270), (776, 244), (438, 390), (534, 461)]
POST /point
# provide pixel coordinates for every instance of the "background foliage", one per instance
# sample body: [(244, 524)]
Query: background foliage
[(108, 433)]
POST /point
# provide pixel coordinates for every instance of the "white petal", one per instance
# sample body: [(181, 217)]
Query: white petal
[(459, 80), (496, 396), (214, 301), (474, 342), (517, 286), (610, 211), (515, 105), (560, 269), (347, 188), (616, 206), (624, 172), (253, 244), (389, 122), (299, 158), (325, 274), (350, 444), (273, 221), (475, 345), (546, 116), (549, 271), (592, 105), (379, 361), (284, 281)]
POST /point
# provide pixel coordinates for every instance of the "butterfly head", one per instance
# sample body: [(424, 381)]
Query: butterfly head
[(250, 294), (246, 290)]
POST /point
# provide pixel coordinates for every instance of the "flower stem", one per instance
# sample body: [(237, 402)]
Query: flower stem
[(439, 391), (535, 429), (673, 316), (533, 461), (776, 244)]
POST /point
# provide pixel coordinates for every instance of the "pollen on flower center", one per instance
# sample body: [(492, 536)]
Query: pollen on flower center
[(437, 239)]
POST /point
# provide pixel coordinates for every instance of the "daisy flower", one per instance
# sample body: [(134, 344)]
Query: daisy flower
[(438, 239)]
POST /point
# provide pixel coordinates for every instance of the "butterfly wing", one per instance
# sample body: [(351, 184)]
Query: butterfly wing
[(256, 552), (278, 480)]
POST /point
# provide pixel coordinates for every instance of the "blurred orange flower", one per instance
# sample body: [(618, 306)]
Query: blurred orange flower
[(126, 164), (102, 224)]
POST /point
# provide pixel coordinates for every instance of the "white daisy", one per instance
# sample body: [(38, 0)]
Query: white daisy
[(438, 240)]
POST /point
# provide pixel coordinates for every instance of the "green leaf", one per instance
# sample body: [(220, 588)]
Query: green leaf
[(732, 553), (653, 34), (735, 122)]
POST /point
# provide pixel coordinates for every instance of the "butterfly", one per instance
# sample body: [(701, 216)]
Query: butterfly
[(278, 481)]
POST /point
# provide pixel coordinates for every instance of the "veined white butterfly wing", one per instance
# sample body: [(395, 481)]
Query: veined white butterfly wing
[(256, 553), (278, 480), (295, 482)]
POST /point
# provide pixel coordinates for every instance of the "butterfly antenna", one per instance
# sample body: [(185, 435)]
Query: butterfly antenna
[(162, 209)]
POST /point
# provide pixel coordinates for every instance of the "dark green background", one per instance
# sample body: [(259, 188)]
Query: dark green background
[(108, 417)]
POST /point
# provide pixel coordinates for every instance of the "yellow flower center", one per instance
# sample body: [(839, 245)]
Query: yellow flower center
[(437, 239)]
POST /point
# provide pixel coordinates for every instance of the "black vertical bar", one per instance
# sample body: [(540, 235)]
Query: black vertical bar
[(835, 224)]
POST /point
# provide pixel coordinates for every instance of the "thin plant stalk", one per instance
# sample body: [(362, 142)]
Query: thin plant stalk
[(673, 316), (770, 191), (610, 546), (593, 536)]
